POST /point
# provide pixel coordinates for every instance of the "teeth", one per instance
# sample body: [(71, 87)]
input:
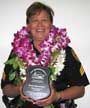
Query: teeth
[(40, 30)]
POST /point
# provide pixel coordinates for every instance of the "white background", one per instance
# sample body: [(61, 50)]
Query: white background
[(72, 14)]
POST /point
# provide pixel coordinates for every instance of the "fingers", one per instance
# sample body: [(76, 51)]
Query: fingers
[(42, 102), (49, 99), (24, 96)]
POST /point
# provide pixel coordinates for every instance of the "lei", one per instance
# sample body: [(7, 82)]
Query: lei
[(52, 50)]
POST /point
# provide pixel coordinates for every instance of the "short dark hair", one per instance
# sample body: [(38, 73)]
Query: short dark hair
[(38, 7)]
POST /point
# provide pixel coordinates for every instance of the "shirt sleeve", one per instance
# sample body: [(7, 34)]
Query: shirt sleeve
[(74, 71)]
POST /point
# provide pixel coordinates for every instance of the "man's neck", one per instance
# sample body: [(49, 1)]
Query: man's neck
[(37, 45)]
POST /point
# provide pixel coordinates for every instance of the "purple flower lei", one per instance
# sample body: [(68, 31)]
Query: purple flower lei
[(23, 48)]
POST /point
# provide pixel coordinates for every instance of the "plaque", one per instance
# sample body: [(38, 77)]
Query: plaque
[(36, 85)]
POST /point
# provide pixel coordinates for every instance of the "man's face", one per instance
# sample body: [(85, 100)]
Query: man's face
[(40, 25)]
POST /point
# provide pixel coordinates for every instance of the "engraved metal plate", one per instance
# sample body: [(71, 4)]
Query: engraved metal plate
[(36, 85)]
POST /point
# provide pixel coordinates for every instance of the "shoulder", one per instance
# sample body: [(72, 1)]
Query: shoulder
[(11, 54), (71, 53), (69, 49)]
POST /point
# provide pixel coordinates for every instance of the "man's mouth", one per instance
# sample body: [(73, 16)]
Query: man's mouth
[(40, 30)]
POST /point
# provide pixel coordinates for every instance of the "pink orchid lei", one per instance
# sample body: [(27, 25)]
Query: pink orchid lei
[(23, 47)]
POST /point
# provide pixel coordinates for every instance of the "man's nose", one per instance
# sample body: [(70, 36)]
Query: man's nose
[(40, 23)]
